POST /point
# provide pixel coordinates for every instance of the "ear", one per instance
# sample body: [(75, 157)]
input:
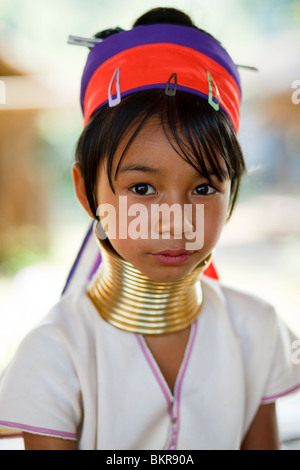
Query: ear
[(80, 189)]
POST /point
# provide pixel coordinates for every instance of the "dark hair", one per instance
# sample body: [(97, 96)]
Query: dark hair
[(203, 137), (164, 15)]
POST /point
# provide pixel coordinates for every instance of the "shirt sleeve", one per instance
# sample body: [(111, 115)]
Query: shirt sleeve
[(39, 390), (284, 370), (271, 351)]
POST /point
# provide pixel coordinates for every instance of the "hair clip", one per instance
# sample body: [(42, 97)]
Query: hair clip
[(214, 104), (171, 91), (114, 101), (87, 42)]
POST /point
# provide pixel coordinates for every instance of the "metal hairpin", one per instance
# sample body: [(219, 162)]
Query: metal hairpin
[(247, 67), (87, 42), (91, 42), (168, 90)]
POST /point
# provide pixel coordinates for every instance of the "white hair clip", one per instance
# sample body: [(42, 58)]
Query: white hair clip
[(114, 101)]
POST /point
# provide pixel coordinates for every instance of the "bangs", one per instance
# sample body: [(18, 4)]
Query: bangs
[(205, 138)]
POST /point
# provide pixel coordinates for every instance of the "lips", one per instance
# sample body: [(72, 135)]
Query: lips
[(172, 257), (174, 252)]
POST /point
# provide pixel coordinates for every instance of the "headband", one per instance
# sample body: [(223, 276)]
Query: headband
[(165, 56)]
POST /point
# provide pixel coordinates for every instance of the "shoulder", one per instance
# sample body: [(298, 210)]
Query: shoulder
[(73, 312), (55, 346), (62, 334), (235, 298), (41, 387), (263, 339), (248, 314)]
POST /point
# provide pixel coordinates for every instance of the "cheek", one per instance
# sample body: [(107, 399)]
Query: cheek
[(215, 217), (129, 249), (126, 226)]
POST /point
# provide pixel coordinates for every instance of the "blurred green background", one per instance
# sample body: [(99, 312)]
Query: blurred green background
[(41, 223)]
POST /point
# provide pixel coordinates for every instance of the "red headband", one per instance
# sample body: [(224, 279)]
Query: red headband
[(160, 56)]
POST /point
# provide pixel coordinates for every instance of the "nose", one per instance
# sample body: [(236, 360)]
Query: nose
[(172, 220)]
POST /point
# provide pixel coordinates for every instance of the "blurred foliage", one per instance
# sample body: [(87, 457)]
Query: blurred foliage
[(273, 15), (23, 254)]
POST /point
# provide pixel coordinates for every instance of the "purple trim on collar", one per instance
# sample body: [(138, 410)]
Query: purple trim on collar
[(173, 400), (95, 266)]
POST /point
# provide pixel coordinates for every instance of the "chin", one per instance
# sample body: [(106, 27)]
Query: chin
[(166, 273)]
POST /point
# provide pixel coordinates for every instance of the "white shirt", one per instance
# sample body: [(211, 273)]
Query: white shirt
[(77, 377)]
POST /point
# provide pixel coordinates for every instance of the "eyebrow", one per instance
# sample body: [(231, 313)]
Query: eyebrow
[(151, 170), (138, 167)]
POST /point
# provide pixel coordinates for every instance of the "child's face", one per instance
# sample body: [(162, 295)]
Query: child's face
[(152, 172)]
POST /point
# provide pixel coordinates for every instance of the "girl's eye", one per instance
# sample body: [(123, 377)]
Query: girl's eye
[(143, 189), (204, 190)]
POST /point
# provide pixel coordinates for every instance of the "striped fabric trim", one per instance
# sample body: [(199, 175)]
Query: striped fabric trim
[(173, 401), (38, 430), (271, 398), (154, 34), (163, 59), (145, 58), (178, 385)]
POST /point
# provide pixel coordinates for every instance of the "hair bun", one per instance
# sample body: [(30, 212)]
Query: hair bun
[(108, 32), (164, 15)]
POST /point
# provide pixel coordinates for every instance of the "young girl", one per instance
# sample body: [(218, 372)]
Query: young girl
[(151, 354)]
